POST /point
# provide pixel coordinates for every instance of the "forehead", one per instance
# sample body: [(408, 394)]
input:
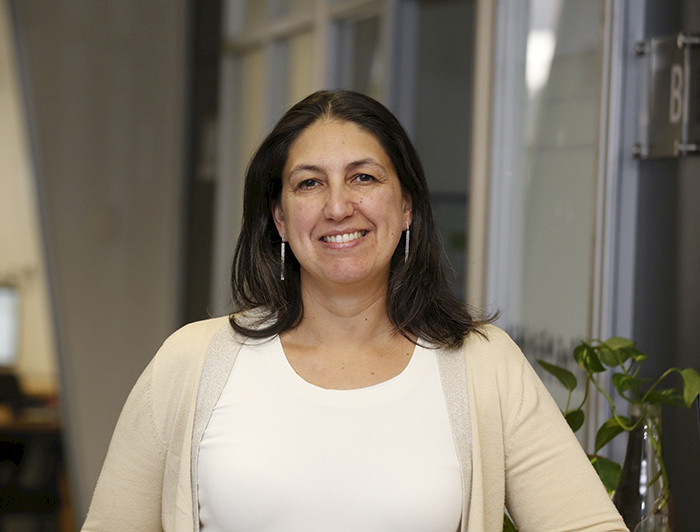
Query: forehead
[(331, 140)]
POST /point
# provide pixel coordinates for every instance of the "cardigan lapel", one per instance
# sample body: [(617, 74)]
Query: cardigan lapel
[(218, 363), (453, 374)]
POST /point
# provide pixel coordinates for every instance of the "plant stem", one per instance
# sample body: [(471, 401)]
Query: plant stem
[(658, 381), (655, 436), (618, 419), (585, 392), (568, 402)]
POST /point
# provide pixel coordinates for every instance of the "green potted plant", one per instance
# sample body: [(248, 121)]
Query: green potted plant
[(645, 397)]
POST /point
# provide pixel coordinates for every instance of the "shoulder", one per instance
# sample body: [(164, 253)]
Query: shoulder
[(495, 365), (186, 348), (171, 382), (491, 346), (492, 360), (195, 333)]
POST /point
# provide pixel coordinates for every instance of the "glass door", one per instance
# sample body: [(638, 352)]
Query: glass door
[(545, 176)]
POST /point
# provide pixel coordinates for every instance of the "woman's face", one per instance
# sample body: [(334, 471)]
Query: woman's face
[(341, 208)]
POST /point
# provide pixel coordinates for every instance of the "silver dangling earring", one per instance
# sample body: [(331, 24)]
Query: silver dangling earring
[(282, 249), (408, 239)]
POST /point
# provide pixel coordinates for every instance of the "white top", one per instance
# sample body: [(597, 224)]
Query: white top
[(280, 454)]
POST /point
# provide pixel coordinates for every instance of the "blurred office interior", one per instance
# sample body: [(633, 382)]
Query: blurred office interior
[(126, 126)]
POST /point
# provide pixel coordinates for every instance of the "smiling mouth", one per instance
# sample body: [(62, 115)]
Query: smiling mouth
[(346, 237)]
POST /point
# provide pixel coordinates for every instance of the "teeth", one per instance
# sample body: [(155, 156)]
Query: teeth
[(347, 237)]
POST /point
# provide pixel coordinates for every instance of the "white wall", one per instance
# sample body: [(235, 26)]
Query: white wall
[(106, 88), (21, 260)]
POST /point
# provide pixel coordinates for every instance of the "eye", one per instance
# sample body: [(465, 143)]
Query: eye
[(364, 178), (308, 183)]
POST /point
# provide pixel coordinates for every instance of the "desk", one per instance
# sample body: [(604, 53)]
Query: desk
[(31, 461)]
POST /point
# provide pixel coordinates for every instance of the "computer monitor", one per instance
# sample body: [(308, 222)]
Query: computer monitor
[(9, 326)]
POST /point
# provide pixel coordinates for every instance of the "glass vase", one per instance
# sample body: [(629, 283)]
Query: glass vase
[(642, 495)]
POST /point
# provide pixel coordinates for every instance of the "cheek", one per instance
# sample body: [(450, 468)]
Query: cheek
[(299, 218), (389, 207)]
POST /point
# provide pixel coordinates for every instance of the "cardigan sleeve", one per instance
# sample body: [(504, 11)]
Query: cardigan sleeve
[(146, 479), (550, 483), (128, 491)]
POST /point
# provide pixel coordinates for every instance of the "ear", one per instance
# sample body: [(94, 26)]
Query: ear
[(278, 217), (407, 208)]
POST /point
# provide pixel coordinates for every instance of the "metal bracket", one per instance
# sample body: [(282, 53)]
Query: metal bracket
[(688, 40), (669, 97)]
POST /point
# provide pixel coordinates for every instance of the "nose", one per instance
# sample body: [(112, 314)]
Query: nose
[(340, 203)]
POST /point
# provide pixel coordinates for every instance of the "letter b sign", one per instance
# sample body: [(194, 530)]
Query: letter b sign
[(675, 109)]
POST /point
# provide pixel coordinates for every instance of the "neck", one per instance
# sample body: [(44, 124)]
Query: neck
[(345, 339), (344, 317)]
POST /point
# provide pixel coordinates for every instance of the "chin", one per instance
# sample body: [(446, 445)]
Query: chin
[(360, 277), (349, 276)]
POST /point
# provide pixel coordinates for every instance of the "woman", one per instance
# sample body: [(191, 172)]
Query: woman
[(363, 396)]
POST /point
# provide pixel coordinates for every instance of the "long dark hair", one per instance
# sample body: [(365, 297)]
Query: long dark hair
[(419, 300)]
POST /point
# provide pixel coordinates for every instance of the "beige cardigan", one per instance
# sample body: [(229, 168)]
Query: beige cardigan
[(513, 443)]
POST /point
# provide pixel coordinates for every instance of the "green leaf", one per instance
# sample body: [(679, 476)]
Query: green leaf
[(618, 343), (616, 350), (608, 471), (691, 385), (609, 357), (563, 375), (508, 525), (624, 382), (670, 396), (575, 419), (586, 358), (608, 431), (637, 355)]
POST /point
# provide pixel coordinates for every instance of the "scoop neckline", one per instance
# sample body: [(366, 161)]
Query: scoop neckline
[(380, 391)]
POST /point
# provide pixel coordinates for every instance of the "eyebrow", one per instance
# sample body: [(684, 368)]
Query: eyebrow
[(305, 168), (350, 166), (362, 162)]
